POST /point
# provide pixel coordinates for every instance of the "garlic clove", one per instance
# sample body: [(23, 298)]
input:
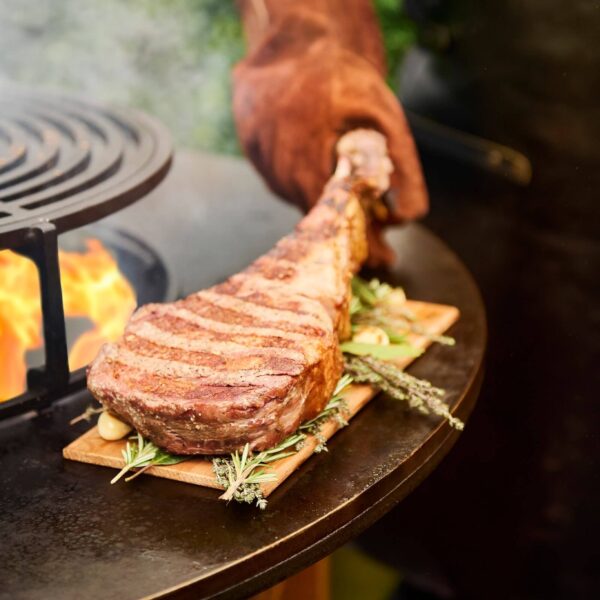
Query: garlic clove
[(396, 297), (369, 334), (110, 428)]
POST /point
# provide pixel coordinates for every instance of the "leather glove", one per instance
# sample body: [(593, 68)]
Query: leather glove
[(315, 70)]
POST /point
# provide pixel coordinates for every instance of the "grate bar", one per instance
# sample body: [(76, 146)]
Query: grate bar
[(42, 248)]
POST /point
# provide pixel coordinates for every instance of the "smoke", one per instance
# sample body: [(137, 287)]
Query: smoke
[(170, 57)]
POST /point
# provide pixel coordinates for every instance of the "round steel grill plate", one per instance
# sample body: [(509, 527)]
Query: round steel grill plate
[(69, 161)]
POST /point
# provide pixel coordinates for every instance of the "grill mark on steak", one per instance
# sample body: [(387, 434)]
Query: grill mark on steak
[(215, 401), (165, 399), (309, 290), (294, 297), (263, 313), (207, 375), (165, 337), (273, 362), (231, 328), (242, 316), (195, 334), (158, 388)]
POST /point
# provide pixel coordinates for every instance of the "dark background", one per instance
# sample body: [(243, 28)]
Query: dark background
[(513, 512)]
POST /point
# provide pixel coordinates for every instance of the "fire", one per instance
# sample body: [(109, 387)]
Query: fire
[(20, 317), (92, 287)]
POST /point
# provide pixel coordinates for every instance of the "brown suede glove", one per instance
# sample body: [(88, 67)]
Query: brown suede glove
[(315, 70)]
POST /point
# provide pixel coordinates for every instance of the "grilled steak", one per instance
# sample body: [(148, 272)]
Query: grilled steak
[(247, 360)]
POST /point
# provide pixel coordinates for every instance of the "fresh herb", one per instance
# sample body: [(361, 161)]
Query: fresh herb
[(385, 376), (398, 320), (336, 409), (385, 352), (87, 414), (394, 337), (355, 306), (363, 292), (142, 456), (371, 306), (240, 475), (377, 304)]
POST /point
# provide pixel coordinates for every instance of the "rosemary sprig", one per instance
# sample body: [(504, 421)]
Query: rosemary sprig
[(240, 475), (418, 393), (144, 455), (336, 408)]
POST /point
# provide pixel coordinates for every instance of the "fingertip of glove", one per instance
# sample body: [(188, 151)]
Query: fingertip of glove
[(406, 203)]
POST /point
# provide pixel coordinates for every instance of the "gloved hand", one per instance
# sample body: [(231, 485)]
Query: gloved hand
[(315, 70)]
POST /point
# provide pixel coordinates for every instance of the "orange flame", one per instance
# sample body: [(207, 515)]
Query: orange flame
[(92, 287), (20, 317)]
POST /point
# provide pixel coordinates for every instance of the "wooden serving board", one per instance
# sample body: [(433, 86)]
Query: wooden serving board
[(91, 448)]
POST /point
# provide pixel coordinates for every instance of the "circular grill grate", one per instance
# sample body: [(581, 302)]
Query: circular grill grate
[(70, 162)]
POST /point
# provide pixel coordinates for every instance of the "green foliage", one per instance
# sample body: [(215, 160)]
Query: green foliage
[(172, 58), (363, 292), (399, 32)]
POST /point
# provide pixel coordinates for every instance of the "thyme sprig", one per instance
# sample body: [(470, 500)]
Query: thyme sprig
[(241, 474), (142, 456), (388, 378), (87, 414)]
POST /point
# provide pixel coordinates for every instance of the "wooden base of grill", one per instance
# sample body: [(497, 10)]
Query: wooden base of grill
[(91, 448)]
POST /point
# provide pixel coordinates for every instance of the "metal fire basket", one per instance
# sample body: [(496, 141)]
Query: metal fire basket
[(66, 162)]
